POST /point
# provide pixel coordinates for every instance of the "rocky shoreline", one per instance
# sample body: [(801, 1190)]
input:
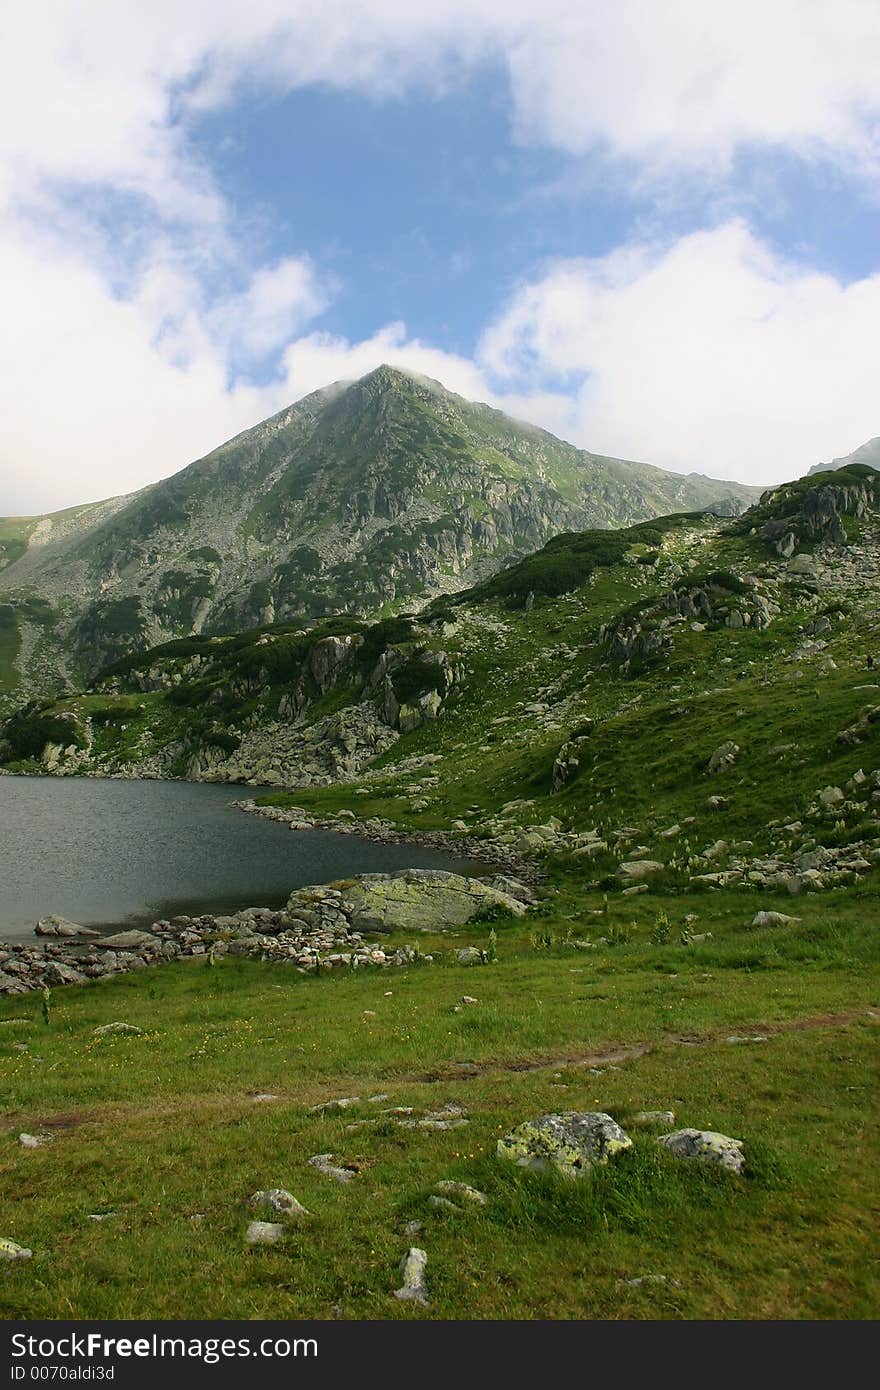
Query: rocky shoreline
[(489, 852), (323, 928)]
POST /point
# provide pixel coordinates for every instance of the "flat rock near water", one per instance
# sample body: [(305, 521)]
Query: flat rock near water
[(419, 900)]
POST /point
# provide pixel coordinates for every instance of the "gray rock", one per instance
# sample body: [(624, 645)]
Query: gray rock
[(328, 1107), (60, 926), (414, 1288), (772, 919), (264, 1233), (109, 1030), (442, 1203), (572, 1142), (128, 941), (469, 955), (705, 1144), (57, 973), (34, 1141), (279, 1200), (723, 757), (11, 1250), (831, 796), (448, 1188), (634, 870), (324, 1164), (646, 1119), (419, 900)]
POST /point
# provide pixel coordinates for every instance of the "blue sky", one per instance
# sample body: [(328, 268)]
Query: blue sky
[(653, 230)]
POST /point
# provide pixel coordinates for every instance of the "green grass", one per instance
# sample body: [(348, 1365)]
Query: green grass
[(163, 1127)]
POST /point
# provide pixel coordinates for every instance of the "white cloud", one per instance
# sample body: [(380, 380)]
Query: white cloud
[(123, 354), (90, 89), (713, 354)]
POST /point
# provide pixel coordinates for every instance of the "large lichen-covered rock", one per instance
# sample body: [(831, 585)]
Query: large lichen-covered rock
[(421, 900), (705, 1144), (571, 1143)]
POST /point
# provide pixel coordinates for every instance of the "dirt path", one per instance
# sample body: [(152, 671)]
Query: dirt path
[(611, 1056)]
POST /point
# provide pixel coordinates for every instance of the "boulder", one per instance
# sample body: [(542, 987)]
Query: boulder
[(56, 973), (571, 1143), (60, 926), (420, 900), (324, 1164), (634, 870), (128, 941), (109, 1030), (705, 1144), (831, 796)]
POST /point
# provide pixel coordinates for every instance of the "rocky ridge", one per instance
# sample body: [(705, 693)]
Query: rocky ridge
[(365, 496)]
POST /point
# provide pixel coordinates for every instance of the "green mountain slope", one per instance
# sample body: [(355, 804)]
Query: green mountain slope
[(682, 690), (363, 498)]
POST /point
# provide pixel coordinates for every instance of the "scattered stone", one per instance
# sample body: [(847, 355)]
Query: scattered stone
[(128, 941), (442, 1204), (103, 1215), (645, 1119), (571, 1142), (264, 1233), (831, 796), (413, 1228), (469, 999), (60, 926), (462, 1189), (723, 757), (705, 1144), (643, 1279), (329, 1107), (34, 1141), (279, 1200), (324, 1164), (412, 1267), (756, 1038), (109, 1030), (469, 955), (10, 1250), (262, 1096), (631, 871), (772, 919)]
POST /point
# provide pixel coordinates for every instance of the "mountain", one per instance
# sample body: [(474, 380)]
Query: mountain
[(363, 498), (868, 454), (691, 670)]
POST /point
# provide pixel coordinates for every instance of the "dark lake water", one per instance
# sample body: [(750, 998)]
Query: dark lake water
[(115, 852)]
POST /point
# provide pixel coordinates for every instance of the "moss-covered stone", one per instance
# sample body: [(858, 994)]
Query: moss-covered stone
[(571, 1143), (422, 900)]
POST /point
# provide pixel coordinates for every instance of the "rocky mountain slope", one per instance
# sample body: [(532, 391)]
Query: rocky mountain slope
[(690, 700), (866, 454), (363, 498)]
